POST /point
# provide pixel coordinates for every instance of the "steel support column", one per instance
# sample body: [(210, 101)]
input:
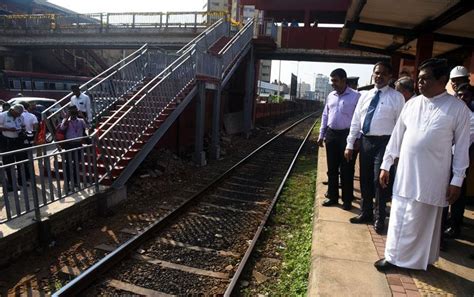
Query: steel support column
[(395, 60), (216, 118), (199, 154), (424, 48), (249, 93)]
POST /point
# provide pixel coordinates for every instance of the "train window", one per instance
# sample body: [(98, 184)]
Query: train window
[(27, 85), (38, 85), (15, 84), (59, 86), (51, 86)]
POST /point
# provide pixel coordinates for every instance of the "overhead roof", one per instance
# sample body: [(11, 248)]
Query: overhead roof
[(388, 27)]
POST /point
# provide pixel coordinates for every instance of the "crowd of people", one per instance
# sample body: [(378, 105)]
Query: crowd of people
[(414, 150), (19, 127)]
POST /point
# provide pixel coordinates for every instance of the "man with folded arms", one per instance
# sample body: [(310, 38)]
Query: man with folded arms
[(423, 141)]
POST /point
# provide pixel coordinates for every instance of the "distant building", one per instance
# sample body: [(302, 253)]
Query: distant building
[(310, 95), (216, 5), (303, 88), (265, 70), (322, 88)]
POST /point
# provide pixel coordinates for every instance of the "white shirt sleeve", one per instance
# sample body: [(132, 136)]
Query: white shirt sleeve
[(392, 151), (354, 131), (461, 148)]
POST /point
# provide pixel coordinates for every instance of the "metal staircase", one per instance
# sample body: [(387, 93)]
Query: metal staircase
[(135, 102), (126, 137), (139, 101)]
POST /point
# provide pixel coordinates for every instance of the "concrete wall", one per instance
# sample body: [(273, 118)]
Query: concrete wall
[(34, 235)]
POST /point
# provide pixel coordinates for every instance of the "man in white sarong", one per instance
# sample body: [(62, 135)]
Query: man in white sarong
[(422, 139)]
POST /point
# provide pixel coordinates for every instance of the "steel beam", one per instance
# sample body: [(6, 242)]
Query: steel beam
[(216, 118), (407, 33), (199, 154), (249, 93), (430, 26)]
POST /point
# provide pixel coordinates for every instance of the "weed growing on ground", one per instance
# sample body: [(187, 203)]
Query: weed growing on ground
[(291, 225)]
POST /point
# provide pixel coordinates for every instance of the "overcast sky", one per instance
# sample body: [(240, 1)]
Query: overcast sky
[(307, 70)]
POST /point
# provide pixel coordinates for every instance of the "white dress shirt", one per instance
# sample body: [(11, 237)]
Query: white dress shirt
[(29, 121), (7, 121), (423, 140), (83, 104), (385, 116)]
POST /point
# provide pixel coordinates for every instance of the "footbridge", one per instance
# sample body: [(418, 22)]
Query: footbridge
[(169, 30)]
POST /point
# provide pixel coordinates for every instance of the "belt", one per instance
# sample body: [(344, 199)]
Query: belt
[(339, 131), (376, 136)]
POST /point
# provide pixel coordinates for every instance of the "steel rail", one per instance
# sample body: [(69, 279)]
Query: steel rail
[(81, 282), (247, 254)]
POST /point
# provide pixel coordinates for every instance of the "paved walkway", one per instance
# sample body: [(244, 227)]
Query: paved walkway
[(343, 254)]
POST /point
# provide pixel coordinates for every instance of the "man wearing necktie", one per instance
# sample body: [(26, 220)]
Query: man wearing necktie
[(375, 117)]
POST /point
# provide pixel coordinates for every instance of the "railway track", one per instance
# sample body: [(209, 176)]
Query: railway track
[(201, 246)]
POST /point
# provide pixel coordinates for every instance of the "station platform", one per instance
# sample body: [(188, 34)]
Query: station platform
[(343, 255)]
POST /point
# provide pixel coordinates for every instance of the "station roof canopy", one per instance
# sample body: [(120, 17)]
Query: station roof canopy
[(389, 27)]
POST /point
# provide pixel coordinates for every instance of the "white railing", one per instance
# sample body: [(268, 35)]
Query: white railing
[(35, 177), (105, 22)]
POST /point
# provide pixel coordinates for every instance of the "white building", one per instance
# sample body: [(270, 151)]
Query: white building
[(216, 5), (303, 88), (322, 87)]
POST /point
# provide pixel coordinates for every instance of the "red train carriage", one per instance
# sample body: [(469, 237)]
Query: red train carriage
[(35, 84)]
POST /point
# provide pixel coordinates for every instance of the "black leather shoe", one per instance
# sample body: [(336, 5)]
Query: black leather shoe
[(379, 226), (451, 233), (347, 206), (383, 265), (361, 219), (329, 202)]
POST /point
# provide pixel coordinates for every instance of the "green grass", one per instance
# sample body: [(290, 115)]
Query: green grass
[(291, 224)]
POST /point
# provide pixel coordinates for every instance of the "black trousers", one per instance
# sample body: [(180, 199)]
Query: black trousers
[(337, 164), (456, 215), (73, 160), (12, 144), (371, 156)]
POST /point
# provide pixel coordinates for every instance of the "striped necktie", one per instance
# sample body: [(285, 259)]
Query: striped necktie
[(370, 113)]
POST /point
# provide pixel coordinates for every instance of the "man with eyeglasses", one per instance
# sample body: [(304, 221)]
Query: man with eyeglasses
[(422, 140)]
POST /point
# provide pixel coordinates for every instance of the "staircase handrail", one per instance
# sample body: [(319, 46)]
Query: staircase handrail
[(237, 44), (201, 36), (184, 52), (85, 85), (147, 101), (158, 77)]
